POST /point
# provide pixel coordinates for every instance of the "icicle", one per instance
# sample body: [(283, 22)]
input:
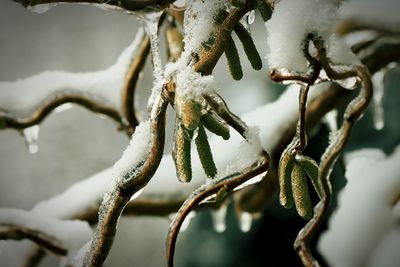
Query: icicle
[(186, 222), (331, 120), (219, 219), (378, 80), (246, 220), (31, 136), (137, 194), (150, 24), (63, 107)]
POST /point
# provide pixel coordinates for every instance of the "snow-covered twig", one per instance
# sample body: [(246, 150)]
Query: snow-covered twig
[(57, 236), (109, 92)]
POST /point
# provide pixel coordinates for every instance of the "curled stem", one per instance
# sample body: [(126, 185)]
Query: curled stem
[(352, 114)]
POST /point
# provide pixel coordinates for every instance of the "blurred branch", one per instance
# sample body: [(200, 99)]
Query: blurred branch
[(42, 239), (129, 5)]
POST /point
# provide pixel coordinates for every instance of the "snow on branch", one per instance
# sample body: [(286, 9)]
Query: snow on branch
[(26, 102)]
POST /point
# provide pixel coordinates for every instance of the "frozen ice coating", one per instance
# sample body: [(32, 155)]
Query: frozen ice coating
[(364, 215), (71, 234), (135, 152), (289, 25), (104, 86), (31, 136)]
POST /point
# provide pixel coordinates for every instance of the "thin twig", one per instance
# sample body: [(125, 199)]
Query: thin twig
[(55, 101), (131, 80), (42, 239)]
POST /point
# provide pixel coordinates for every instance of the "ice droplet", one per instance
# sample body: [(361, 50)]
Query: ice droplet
[(251, 17), (298, 157), (137, 194), (219, 219), (31, 136), (186, 222), (246, 220), (378, 80)]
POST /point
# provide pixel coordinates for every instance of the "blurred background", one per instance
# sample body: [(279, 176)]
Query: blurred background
[(76, 143)]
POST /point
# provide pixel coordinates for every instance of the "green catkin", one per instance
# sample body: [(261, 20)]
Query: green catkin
[(189, 113), (249, 47), (232, 56), (300, 192), (285, 168), (310, 166), (264, 9), (181, 155), (204, 151), (215, 125)]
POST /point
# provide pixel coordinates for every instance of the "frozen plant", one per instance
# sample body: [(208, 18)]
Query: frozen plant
[(245, 160)]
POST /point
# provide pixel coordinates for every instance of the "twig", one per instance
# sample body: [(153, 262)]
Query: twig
[(131, 80), (55, 101), (228, 183), (43, 240), (353, 112), (112, 207)]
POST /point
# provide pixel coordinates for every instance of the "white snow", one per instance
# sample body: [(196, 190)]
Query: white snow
[(71, 234), (191, 84), (288, 27), (364, 215), (104, 86), (135, 152)]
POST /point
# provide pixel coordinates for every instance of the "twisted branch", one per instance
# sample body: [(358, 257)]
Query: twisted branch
[(353, 112)]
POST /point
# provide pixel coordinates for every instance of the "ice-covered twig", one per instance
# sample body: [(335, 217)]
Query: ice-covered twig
[(57, 236), (353, 112), (228, 184), (98, 91), (131, 180)]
